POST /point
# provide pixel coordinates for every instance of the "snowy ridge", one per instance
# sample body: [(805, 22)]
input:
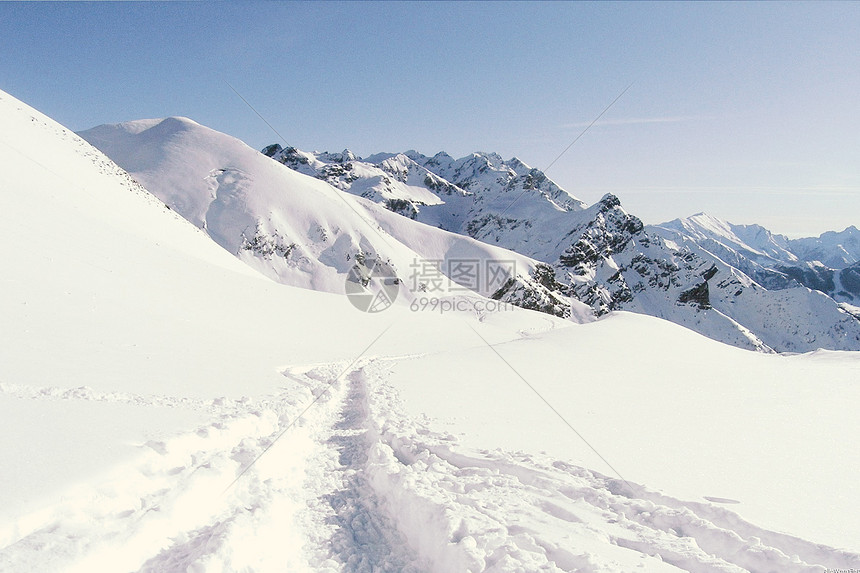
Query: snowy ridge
[(836, 250), (753, 241), (476, 195), (295, 229), (304, 227), (690, 286), (290, 227)]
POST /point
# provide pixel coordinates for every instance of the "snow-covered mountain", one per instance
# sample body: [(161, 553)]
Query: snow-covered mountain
[(828, 263), (728, 289), (304, 232), (752, 242), (465, 196), (836, 250), (165, 408)]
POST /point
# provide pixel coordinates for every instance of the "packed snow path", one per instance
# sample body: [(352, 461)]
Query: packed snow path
[(355, 485)]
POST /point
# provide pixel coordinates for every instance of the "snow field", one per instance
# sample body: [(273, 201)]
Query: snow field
[(681, 414), (171, 493), (479, 510), (359, 484)]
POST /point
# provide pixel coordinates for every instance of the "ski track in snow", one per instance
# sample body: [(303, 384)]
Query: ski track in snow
[(357, 486)]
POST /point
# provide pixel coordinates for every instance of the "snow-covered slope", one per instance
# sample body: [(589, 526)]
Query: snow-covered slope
[(743, 429), (614, 264), (752, 242), (166, 409), (142, 367), (297, 229), (292, 228)]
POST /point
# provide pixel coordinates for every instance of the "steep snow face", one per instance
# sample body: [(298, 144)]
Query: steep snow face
[(296, 229), (293, 228)]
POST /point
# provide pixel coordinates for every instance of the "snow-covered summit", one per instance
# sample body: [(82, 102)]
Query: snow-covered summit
[(459, 195), (307, 225), (752, 240), (291, 227)]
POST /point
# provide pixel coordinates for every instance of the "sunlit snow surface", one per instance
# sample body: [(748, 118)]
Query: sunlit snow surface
[(143, 368)]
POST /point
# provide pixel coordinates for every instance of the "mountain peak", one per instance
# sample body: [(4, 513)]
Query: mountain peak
[(344, 156), (272, 150), (160, 125), (609, 201), (601, 255)]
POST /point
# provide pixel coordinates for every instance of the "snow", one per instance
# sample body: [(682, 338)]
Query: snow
[(753, 290), (166, 408), (678, 414), (835, 249), (753, 241), (463, 196), (291, 227)]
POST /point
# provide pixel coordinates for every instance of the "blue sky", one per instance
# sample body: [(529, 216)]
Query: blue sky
[(750, 112)]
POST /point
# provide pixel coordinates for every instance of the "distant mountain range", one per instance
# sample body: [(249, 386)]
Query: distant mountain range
[(829, 263), (738, 284)]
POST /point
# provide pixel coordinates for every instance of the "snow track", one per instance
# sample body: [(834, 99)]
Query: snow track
[(355, 485), (359, 537)]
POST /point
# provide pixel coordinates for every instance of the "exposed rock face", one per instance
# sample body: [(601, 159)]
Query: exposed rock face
[(698, 295), (539, 292)]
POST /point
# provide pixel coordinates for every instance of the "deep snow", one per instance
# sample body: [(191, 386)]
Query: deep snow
[(143, 369)]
